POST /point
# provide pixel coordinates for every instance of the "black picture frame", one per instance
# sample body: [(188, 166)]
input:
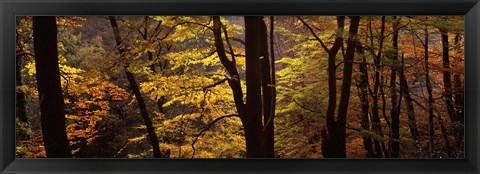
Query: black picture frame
[(11, 8)]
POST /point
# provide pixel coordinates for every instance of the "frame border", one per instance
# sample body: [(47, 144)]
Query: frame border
[(11, 8)]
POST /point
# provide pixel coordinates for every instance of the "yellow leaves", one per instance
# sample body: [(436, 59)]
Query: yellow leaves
[(137, 139)]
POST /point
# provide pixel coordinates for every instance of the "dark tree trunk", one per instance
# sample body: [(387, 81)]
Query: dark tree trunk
[(269, 121), (253, 49), (376, 123), (430, 98), (459, 99), (363, 94), (256, 46), (230, 66), (447, 84), (447, 80), (412, 123), (329, 135), (459, 107), (152, 136), (395, 124), (347, 81), (266, 85), (52, 107)]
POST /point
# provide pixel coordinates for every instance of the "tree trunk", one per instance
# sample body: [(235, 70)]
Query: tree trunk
[(363, 95), (376, 123), (329, 135), (269, 122), (347, 81), (412, 123), (459, 107), (430, 98), (447, 84), (253, 49), (152, 136), (447, 80), (52, 107), (395, 124), (230, 66)]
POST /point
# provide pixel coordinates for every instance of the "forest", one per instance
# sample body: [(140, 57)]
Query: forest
[(239, 87)]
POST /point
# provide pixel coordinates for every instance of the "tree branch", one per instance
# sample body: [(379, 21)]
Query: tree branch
[(208, 127), (215, 84), (314, 34), (308, 109)]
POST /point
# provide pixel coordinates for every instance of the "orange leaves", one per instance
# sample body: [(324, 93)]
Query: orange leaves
[(88, 102)]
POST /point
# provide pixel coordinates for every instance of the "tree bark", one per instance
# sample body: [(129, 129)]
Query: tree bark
[(329, 135), (152, 136), (447, 80), (447, 84), (52, 107), (395, 124), (347, 81), (376, 123), (230, 66), (458, 121), (254, 104), (269, 122), (430, 97), (412, 123), (363, 95)]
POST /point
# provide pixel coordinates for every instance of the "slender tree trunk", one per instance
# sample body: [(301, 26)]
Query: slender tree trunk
[(230, 66), (52, 107), (363, 94), (447, 80), (430, 98), (459, 99), (329, 135), (152, 136), (395, 124), (412, 123), (376, 123), (267, 91), (459, 107), (269, 122), (447, 84), (347, 81)]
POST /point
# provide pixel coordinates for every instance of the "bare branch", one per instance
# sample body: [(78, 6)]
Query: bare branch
[(215, 84), (308, 109), (314, 34), (237, 40)]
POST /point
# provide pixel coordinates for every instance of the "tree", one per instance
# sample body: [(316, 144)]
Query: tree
[(152, 136), (340, 141), (362, 87), (258, 78), (395, 112), (52, 106), (376, 124), (430, 101)]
